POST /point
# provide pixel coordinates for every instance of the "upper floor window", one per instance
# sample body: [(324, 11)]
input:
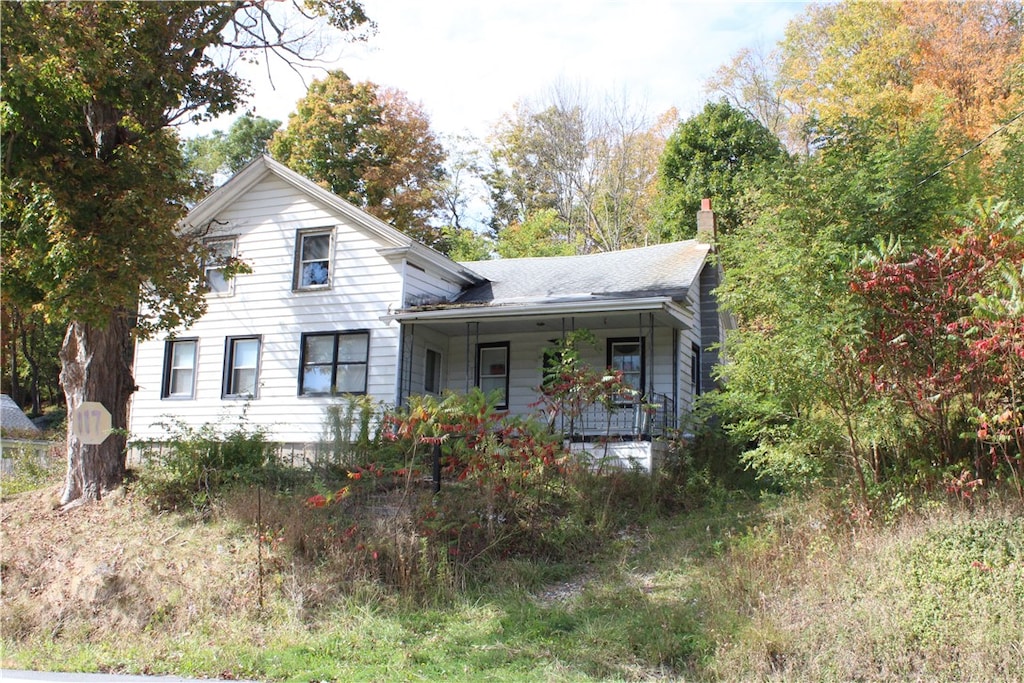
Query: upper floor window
[(492, 370), (241, 367), (313, 259), (219, 252), (626, 355), (179, 368), (334, 363)]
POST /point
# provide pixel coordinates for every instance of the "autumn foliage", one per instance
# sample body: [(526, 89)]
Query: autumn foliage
[(944, 335)]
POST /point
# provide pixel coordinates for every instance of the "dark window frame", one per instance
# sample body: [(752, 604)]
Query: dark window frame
[(334, 362), (480, 348), (642, 342), (228, 390), (166, 379)]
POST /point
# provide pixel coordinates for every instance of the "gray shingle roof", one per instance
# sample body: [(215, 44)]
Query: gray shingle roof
[(11, 416), (660, 270)]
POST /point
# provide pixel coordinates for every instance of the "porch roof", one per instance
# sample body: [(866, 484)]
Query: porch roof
[(662, 270)]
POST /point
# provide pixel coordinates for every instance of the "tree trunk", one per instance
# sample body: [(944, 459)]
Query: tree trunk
[(96, 366)]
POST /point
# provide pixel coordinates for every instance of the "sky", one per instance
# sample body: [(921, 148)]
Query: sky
[(467, 62)]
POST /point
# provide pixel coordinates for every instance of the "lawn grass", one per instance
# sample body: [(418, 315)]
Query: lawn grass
[(776, 588)]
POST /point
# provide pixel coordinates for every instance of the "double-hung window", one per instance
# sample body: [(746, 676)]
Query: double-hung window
[(626, 355), (313, 251), (492, 370), (241, 367), (179, 378), (219, 253), (334, 363)]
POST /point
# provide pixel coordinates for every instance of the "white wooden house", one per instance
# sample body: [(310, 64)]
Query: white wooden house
[(339, 302)]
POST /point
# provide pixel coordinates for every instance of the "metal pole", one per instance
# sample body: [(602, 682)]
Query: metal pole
[(437, 468)]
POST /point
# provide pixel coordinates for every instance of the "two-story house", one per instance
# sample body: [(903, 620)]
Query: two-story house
[(338, 302)]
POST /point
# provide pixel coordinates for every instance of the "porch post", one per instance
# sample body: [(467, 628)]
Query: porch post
[(411, 348), (401, 365), (467, 359)]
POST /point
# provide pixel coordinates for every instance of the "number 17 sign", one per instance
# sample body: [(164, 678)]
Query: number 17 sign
[(91, 423)]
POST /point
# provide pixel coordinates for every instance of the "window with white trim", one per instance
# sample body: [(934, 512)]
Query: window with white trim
[(313, 249), (241, 367), (219, 253), (492, 370), (334, 363), (179, 368)]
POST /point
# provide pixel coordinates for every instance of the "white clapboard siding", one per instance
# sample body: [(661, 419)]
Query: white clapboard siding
[(364, 287)]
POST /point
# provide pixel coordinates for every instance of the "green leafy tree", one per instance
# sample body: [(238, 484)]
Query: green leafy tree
[(227, 153), (718, 154), (463, 244), (371, 146), (95, 185), (795, 388), (541, 234)]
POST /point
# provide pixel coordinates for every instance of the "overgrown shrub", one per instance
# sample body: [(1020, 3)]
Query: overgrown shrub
[(508, 489), (195, 463)]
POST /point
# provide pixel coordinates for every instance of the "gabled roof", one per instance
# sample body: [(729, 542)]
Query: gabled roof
[(396, 244), (663, 270)]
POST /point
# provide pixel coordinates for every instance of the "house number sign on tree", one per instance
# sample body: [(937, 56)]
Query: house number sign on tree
[(91, 423)]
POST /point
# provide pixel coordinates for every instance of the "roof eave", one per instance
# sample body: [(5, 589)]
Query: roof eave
[(514, 311)]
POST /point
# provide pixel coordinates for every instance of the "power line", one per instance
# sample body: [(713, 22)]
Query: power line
[(965, 152)]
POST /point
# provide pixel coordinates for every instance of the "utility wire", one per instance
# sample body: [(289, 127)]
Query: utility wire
[(965, 152)]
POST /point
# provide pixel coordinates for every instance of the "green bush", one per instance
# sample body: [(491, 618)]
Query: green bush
[(194, 463)]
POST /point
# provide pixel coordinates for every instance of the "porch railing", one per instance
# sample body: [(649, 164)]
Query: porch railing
[(654, 417)]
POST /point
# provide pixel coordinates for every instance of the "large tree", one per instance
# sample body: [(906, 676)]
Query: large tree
[(718, 154), (369, 145), (95, 185), (594, 165), (226, 153), (890, 62)]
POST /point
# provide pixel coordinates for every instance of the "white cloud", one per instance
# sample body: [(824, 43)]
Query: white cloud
[(469, 61)]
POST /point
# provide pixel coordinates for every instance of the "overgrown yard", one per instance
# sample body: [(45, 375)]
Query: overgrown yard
[(738, 589)]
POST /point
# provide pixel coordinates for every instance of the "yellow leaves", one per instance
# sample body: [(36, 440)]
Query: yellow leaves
[(894, 62)]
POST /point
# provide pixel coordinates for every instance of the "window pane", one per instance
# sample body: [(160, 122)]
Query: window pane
[(316, 248), (183, 354), (181, 382), (492, 362), (246, 351), (319, 349), (351, 379), (489, 384), (352, 348), (244, 381), (316, 380), (216, 282), (314, 274), (626, 357), (432, 372)]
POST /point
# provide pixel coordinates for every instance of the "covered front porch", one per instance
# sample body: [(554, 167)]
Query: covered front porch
[(507, 350)]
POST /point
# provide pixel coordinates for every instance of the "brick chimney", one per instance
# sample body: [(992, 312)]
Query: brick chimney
[(707, 230)]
